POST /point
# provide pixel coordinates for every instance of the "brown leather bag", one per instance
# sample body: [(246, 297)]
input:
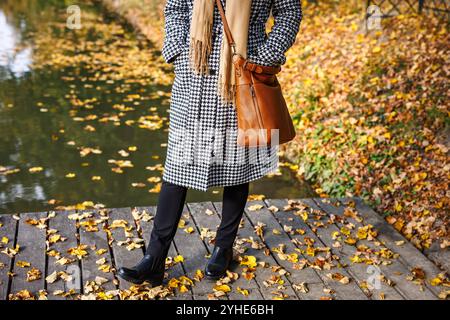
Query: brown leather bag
[(262, 113)]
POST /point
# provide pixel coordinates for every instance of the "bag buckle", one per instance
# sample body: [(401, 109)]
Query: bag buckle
[(233, 48)]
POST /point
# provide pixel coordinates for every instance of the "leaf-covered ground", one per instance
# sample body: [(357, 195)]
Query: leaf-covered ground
[(372, 116), (371, 111), (328, 256)]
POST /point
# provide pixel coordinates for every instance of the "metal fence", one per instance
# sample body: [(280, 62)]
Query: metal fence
[(389, 8)]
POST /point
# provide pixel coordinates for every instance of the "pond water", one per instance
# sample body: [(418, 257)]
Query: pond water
[(84, 113)]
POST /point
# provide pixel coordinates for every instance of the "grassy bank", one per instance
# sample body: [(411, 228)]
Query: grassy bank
[(372, 115), (370, 110), (147, 16)]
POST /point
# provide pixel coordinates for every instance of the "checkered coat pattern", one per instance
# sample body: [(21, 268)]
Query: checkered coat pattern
[(202, 149)]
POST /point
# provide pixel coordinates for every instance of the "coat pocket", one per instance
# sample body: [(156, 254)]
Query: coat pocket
[(180, 62)]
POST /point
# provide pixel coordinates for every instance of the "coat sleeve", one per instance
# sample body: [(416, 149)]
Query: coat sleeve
[(288, 16), (176, 15)]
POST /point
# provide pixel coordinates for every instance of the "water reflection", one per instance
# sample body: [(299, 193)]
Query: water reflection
[(49, 115), (13, 59)]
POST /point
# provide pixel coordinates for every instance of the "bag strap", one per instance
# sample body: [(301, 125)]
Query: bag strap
[(253, 67), (226, 27)]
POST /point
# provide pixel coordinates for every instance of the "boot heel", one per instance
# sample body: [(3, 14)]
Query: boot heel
[(219, 263), (156, 279), (150, 269)]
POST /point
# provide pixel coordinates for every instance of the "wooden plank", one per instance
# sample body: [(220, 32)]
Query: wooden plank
[(192, 248), (273, 240), (395, 271), (202, 220), (351, 290), (288, 219), (8, 226), (360, 272), (356, 272), (441, 257), (123, 256), (96, 240), (176, 270), (245, 233), (206, 216), (67, 229), (262, 273), (195, 251), (410, 256), (32, 249)]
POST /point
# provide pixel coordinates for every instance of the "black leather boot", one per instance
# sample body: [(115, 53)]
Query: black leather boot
[(218, 263), (150, 269)]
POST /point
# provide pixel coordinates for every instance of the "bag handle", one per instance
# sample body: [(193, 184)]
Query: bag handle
[(226, 27)]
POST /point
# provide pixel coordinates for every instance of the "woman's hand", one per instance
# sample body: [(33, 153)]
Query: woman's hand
[(288, 16)]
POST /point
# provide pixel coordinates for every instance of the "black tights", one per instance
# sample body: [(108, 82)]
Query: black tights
[(170, 207)]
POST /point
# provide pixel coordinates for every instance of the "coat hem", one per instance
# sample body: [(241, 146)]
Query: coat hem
[(214, 185)]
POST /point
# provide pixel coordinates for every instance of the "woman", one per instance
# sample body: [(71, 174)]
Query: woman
[(202, 150)]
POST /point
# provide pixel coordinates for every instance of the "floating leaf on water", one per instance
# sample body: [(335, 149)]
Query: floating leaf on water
[(35, 169)]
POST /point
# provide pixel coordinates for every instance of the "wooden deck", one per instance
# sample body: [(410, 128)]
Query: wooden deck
[(304, 249)]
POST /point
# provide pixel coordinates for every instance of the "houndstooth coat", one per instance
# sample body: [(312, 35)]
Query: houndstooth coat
[(202, 150)]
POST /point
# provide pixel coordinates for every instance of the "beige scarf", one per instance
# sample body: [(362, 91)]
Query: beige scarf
[(238, 17)]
